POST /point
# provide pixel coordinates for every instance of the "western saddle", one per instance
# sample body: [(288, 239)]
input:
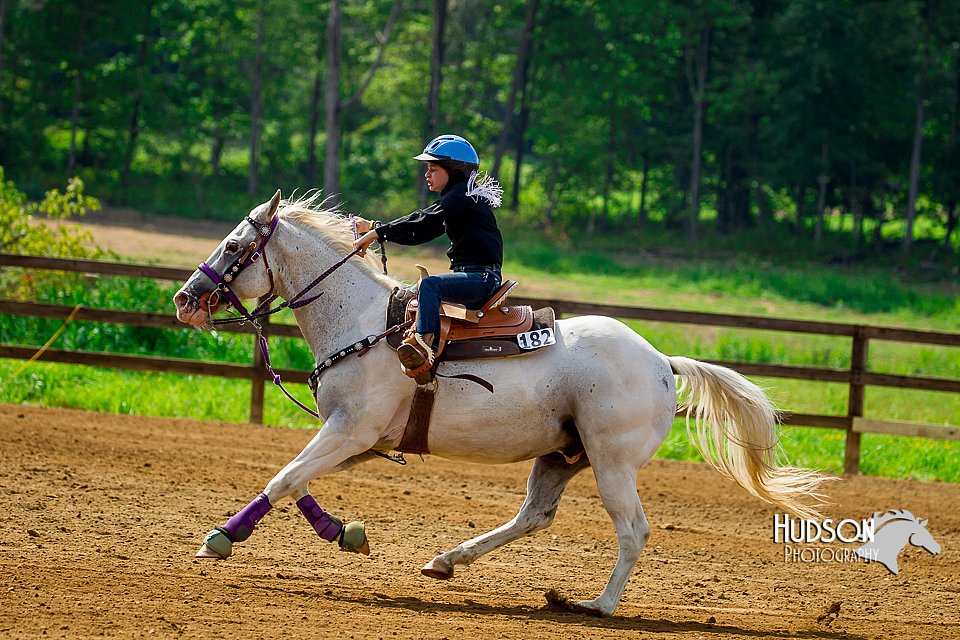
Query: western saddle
[(489, 321), (488, 332)]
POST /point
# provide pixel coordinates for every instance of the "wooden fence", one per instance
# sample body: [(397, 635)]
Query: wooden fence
[(857, 377)]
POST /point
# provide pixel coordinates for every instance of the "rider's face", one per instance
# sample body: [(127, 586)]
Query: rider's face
[(437, 177)]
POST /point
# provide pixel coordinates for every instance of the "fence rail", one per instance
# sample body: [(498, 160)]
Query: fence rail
[(857, 377)]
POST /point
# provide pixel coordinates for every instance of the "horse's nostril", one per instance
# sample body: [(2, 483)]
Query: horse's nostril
[(181, 299)]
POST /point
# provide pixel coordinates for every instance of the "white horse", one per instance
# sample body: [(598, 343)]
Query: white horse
[(601, 385)]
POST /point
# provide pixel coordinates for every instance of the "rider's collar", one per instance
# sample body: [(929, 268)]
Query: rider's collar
[(456, 179)]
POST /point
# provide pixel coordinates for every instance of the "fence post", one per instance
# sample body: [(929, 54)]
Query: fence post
[(259, 377), (858, 366)]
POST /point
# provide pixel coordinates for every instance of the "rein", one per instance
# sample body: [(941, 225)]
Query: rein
[(262, 310), (249, 257)]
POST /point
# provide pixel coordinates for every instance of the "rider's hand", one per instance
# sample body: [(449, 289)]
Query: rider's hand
[(364, 241)]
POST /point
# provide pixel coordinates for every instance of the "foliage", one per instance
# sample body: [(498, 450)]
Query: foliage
[(154, 101), (21, 231)]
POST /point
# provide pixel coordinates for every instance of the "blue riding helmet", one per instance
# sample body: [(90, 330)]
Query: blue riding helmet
[(451, 150)]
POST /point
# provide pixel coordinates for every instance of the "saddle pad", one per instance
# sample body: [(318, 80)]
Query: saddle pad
[(499, 347)]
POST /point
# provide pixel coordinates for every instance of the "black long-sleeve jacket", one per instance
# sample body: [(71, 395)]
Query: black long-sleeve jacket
[(475, 239)]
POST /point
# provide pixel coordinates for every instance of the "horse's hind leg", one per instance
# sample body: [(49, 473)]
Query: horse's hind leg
[(548, 479), (618, 490)]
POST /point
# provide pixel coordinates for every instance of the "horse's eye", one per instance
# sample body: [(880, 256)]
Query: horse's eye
[(232, 246)]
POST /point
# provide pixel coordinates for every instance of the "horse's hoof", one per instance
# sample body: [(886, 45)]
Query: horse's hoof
[(216, 546), (438, 568), (206, 553), (354, 538), (589, 607)]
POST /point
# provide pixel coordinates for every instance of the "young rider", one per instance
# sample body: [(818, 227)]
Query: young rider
[(465, 213)]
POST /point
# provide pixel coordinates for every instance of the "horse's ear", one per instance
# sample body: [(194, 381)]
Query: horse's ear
[(274, 204), (924, 523)]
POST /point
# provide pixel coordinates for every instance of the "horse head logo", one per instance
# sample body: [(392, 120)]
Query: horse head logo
[(892, 531)]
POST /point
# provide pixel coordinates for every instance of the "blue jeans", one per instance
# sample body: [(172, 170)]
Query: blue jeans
[(469, 286)]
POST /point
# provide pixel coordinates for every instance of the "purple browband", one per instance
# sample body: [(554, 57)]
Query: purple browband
[(266, 232)]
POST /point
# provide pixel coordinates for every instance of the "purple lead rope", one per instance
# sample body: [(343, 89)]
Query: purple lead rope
[(265, 350)]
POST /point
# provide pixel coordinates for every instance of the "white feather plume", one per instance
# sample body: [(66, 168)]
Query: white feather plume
[(485, 186)]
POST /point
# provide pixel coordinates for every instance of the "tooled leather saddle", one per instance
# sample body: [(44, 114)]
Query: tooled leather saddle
[(494, 330), (488, 332)]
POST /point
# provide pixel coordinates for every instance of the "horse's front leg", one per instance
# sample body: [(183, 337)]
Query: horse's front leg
[(331, 449)]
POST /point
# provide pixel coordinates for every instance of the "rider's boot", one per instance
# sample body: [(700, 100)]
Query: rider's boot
[(416, 355)]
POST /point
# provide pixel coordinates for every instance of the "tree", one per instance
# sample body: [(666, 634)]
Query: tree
[(138, 97), (696, 62), (3, 32), (436, 81), (77, 73), (335, 106), (646, 112), (255, 90), (943, 138), (311, 170), (919, 120), (519, 83)]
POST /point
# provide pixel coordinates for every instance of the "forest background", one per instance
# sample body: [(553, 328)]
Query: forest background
[(794, 158), (814, 123)]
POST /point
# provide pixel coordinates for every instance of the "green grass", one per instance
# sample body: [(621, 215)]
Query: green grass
[(717, 281), (148, 393), (739, 284)]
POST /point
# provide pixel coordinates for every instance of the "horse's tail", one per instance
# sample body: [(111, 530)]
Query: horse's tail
[(736, 432)]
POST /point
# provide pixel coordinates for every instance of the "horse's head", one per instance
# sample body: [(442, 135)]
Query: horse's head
[(922, 538), (893, 530), (233, 272)]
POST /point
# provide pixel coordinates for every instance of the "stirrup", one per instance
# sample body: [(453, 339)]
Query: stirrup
[(421, 374), (416, 357)]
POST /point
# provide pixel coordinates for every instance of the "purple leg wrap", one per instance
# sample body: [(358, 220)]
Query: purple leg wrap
[(327, 526), (240, 526)]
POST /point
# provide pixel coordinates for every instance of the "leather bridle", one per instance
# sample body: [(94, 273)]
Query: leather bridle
[(255, 250), (250, 256)]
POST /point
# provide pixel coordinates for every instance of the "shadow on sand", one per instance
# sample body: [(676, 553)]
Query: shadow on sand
[(555, 613)]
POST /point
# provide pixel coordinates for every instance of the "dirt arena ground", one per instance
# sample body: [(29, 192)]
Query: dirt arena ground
[(102, 515)]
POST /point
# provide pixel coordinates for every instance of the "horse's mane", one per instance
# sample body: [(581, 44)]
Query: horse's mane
[(313, 212), (894, 514)]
